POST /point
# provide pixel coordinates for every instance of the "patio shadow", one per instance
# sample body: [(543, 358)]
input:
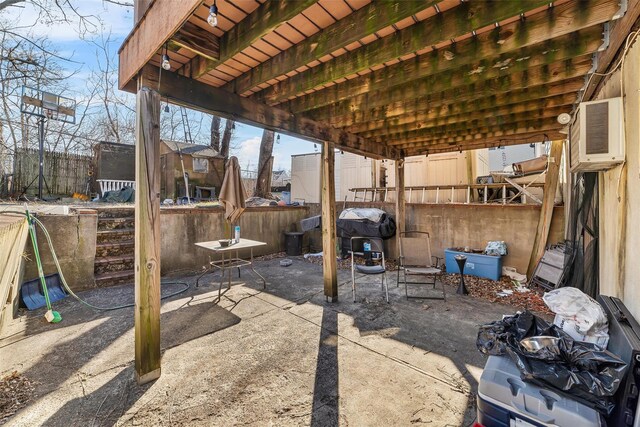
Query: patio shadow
[(326, 410)]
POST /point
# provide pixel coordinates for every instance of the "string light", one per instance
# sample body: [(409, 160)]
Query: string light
[(213, 15), (166, 63)]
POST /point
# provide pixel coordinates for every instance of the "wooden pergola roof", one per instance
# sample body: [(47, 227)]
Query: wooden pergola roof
[(379, 78)]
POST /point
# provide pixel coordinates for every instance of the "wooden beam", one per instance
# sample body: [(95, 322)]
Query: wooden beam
[(440, 103), (481, 125), (329, 264), (267, 17), (461, 86), (459, 113), (548, 201), (200, 96), (483, 120), (147, 236), (455, 138), (512, 45), (401, 203), (161, 20), (199, 41), (523, 138), (361, 23), (618, 32)]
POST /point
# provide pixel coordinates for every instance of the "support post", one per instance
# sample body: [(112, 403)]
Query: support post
[(147, 235), (328, 198), (40, 156), (400, 201), (546, 212)]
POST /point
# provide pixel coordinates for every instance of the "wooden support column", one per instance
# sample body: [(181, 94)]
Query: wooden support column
[(147, 235), (546, 212), (400, 201), (328, 199)]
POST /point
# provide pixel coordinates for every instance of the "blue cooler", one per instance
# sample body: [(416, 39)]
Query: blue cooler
[(504, 400), (488, 266)]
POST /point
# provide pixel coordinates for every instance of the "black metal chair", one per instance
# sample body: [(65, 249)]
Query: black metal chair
[(416, 260), (372, 250)]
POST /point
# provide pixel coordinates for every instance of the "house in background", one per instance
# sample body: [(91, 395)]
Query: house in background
[(203, 165)]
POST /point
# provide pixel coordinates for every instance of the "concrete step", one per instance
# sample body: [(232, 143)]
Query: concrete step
[(108, 223), (115, 236), (115, 248), (114, 278), (113, 263)]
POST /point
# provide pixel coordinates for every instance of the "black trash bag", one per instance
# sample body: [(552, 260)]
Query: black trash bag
[(580, 371)]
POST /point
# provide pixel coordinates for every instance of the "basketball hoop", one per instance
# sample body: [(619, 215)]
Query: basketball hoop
[(36, 102), (46, 106)]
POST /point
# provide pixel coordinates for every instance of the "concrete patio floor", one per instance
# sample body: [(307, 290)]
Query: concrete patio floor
[(280, 356)]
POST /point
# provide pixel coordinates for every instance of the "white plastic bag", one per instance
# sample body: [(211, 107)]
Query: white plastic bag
[(578, 307)]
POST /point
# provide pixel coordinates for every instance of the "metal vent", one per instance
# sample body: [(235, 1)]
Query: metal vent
[(597, 128), (574, 142)]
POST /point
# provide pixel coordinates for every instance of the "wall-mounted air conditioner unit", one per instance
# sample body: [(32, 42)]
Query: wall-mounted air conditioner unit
[(597, 136)]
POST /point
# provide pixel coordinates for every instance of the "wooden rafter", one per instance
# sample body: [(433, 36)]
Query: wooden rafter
[(360, 24), (197, 40), (454, 139), (461, 20), (268, 16), (507, 45), (523, 138), (445, 100), (462, 82), (160, 22), (200, 96), (477, 122), (456, 113), (484, 127)]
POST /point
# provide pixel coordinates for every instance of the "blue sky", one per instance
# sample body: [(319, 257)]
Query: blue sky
[(118, 21)]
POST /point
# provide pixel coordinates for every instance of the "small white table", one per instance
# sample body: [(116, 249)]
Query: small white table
[(228, 264)]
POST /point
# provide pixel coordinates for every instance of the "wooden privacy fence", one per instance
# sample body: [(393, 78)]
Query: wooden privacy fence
[(64, 173)]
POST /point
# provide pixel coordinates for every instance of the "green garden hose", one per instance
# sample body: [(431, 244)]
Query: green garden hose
[(33, 220), (51, 315)]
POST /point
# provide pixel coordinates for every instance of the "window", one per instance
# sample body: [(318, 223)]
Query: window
[(200, 165)]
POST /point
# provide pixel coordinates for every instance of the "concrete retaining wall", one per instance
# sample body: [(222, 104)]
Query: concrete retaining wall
[(182, 228), (74, 240), (74, 236), (458, 225)]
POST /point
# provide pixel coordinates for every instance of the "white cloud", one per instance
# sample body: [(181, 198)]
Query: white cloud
[(248, 152)]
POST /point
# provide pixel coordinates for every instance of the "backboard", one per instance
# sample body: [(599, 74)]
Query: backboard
[(48, 105)]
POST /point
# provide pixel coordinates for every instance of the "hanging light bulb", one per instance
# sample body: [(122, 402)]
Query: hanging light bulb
[(166, 108), (166, 64), (213, 15), (278, 139)]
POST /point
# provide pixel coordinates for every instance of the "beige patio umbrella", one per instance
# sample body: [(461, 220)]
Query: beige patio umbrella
[(232, 193)]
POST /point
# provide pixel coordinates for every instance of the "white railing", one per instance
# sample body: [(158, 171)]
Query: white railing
[(502, 193), (114, 185)]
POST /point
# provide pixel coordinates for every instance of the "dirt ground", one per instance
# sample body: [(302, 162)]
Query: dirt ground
[(281, 356)]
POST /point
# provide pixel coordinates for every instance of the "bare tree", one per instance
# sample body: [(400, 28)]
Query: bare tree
[(227, 136), (215, 133), (265, 165)]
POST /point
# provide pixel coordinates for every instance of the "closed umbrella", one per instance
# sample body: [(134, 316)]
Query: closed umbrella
[(232, 193)]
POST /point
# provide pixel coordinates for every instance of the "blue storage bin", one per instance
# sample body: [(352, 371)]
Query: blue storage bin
[(479, 265)]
